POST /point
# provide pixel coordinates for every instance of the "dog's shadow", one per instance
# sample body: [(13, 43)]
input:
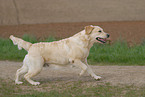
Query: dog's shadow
[(66, 79)]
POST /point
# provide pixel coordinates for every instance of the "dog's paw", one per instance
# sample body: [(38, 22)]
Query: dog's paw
[(18, 82), (36, 83), (82, 72), (97, 77)]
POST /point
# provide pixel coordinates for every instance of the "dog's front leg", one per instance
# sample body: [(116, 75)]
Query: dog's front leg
[(87, 68), (91, 71), (83, 71)]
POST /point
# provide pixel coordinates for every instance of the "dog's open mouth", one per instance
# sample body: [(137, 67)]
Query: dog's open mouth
[(102, 40)]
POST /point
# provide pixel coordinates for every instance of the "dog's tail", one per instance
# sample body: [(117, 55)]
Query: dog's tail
[(21, 43)]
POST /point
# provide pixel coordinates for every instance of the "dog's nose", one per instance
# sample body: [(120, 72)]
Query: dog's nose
[(108, 35)]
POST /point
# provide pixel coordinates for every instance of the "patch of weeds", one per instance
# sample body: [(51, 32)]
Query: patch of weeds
[(118, 53), (50, 39), (29, 38), (8, 88), (72, 89)]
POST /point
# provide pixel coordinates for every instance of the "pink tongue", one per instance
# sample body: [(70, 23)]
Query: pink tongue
[(102, 39)]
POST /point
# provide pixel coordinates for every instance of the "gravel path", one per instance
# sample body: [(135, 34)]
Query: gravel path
[(126, 75)]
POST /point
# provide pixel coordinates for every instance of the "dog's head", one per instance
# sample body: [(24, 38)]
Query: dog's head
[(96, 34)]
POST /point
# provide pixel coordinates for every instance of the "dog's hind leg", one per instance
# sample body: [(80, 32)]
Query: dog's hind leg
[(21, 71), (35, 67)]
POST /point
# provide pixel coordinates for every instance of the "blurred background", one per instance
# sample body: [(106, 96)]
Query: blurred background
[(123, 19)]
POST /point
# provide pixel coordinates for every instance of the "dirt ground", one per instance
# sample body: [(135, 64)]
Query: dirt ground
[(132, 32), (115, 75)]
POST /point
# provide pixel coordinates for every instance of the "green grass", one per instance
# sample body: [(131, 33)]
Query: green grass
[(71, 89), (119, 53)]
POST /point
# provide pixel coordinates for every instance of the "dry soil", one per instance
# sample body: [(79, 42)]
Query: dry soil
[(115, 75)]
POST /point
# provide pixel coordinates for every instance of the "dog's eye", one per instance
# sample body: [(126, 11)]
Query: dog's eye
[(100, 31)]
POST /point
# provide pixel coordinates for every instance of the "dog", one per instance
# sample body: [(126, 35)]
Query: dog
[(70, 51)]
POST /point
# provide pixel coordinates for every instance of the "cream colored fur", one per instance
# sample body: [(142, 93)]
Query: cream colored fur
[(70, 51)]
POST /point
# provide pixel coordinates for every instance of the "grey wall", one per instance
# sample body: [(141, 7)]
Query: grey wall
[(14, 12)]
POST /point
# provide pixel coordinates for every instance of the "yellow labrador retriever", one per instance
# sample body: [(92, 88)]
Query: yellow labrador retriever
[(70, 51)]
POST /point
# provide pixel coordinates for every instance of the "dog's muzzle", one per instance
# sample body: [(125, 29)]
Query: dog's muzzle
[(103, 40)]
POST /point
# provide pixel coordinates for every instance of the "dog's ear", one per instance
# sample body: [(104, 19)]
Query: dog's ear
[(89, 29)]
